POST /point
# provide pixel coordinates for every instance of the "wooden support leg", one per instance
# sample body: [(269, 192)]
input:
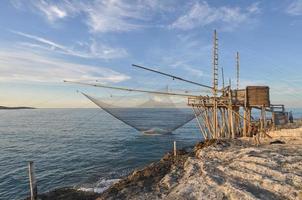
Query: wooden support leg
[(206, 126), (237, 121), (209, 124), (227, 122), (273, 121), (263, 121), (215, 119), (231, 124), (222, 119), (246, 121)]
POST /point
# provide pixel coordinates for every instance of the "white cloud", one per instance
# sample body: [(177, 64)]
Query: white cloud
[(121, 15), (113, 15), (42, 40), (100, 15), (295, 8), (184, 66), (52, 12), (246, 82), (94, 50), (254, 8), (100, 50), (202, 14), (26, 66), (126, 15)]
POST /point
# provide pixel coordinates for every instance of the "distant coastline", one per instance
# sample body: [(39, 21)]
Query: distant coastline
[(15, 108)]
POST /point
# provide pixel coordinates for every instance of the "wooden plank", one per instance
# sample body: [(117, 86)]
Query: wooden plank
[(258, 96)]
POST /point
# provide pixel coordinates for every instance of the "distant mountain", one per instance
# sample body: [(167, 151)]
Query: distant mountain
[(14, 108)]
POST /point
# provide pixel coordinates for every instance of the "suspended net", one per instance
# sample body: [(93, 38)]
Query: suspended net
[(150, 114)]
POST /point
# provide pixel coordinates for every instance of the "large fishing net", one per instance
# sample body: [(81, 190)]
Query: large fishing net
[(148, 113)]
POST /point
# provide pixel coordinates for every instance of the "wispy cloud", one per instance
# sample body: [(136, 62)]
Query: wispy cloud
[(202, 14), (108, 15), (254, 8), (101, 15), (42, 40), (52, 12), (93, 50), (246, 82), (295, 8), (188, 68), (26, 66)]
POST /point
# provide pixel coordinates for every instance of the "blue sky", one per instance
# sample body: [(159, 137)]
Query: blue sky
[(44, 42)]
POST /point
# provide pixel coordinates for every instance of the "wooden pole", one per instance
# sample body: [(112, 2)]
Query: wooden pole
[(174, 148), (222, 74), (230, 112), (227, 123), (231, 122), (32, 181), (246, 115), (215, 84), (246, 121), (207, 124), (215, 115), (221, 122), (237, 120), (263, 120), (237, 69), (273, 120)]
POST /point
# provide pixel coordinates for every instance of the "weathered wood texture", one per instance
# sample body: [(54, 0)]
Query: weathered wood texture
[(257, 96)]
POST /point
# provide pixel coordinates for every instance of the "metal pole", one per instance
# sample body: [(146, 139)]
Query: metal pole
[(32, 181)]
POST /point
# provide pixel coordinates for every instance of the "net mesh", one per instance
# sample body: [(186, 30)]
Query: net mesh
[(147, 113)]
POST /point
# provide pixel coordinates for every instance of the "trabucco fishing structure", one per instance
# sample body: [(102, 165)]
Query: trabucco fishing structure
[(226, 113)]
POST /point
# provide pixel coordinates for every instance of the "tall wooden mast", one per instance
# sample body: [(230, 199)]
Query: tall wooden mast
[(238, 68), (215, 83), (222, 77)]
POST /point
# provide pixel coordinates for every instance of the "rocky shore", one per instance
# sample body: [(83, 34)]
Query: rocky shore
[(214, 169)]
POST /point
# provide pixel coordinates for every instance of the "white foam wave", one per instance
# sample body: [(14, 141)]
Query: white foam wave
[(100, 186)]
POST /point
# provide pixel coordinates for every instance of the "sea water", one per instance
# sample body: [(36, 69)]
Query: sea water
[(83, 148)]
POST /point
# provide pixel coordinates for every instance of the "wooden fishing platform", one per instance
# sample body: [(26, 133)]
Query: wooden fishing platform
[(227, 113), (230, 114)]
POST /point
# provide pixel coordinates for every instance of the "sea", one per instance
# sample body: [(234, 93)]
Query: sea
[(87, 149)]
